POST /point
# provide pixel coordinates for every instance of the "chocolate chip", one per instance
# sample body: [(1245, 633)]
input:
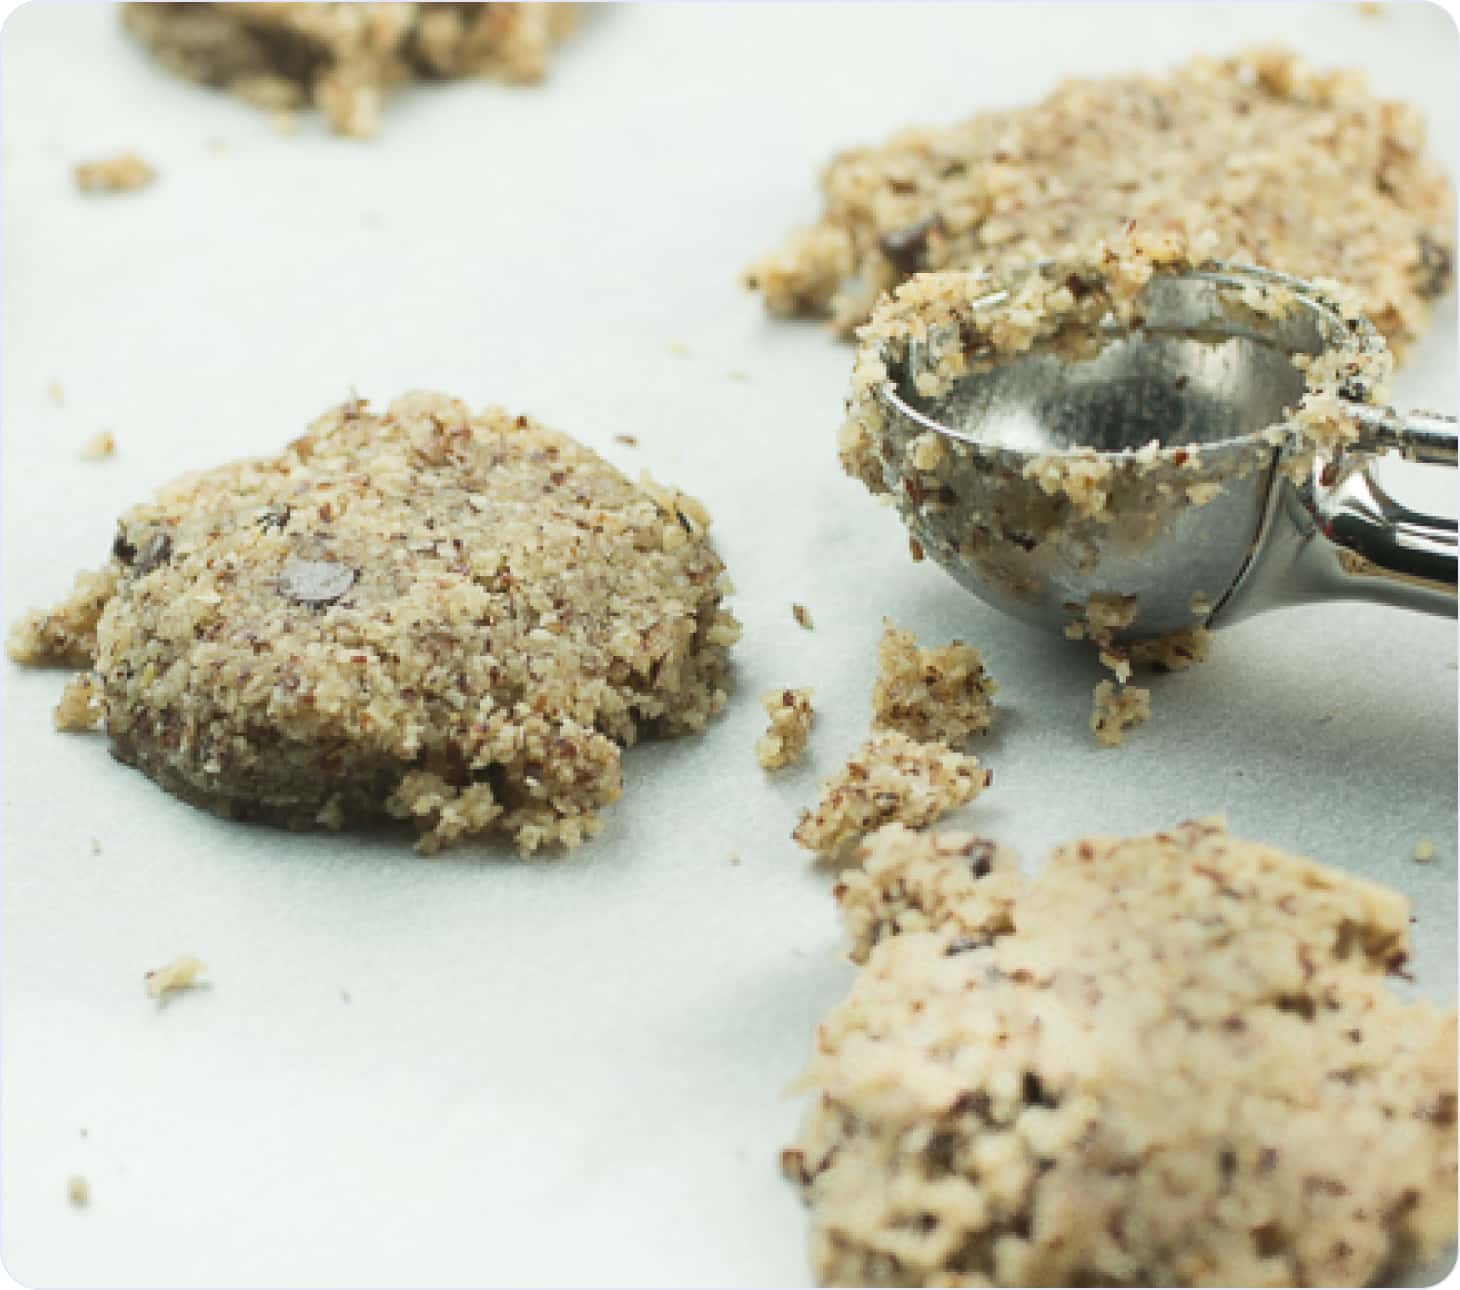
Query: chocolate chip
[(906, 246), (1033, 1090), (157, 550), (122, 549), (277, 518), (981, 857), (964, 944), (315, 582)]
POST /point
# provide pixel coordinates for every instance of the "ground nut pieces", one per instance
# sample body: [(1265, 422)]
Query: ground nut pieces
[(940, 693), (891, 778), (453, 619), (785, 739), (910, 882), (1259, 156), (1118, 708), (1168, 1060), (343, 58)]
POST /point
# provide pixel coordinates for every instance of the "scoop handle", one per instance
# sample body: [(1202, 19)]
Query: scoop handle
[(1350, 539), (1380, 549), (1428, 437)]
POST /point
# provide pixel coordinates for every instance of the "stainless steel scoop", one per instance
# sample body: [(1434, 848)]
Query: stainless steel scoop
[(1210, 546)]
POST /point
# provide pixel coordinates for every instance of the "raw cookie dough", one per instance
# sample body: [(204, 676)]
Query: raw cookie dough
[(940, 693), (120, 174), (1168, 1060), (181, 974), (1117, 708), (452, 619), (891, 777), (344, 57), (785, 739), (906, 881), (1283, 165)]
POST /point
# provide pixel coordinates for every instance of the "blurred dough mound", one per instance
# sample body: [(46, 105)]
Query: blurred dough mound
[(1167, 1060), (1257, 157), (344, 57)]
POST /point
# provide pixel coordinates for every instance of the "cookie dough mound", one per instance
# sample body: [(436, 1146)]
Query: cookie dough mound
[(891, 778), (941, 693), (454, 619), (344, 57), (1169, 1060), (1266, 158)]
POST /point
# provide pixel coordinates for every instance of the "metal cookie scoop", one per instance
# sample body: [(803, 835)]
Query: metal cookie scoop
[(1234, 515)]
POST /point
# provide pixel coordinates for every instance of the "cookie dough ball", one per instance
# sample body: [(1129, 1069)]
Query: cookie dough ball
[(1169, 1060), (454, 619)]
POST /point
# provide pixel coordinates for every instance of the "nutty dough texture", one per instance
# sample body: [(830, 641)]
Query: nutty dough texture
[(1168, 1060), (344, 57), (454, 619), (1260, 156)]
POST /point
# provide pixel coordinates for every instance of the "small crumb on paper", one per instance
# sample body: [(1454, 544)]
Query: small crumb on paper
[(99, 447), (627, 440), (120, 174), (78, 1191), (802, 616), (1424, 851), (56, 394), (181, 974)]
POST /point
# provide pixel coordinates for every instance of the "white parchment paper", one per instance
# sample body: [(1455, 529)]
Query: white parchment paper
[(469, 1070)]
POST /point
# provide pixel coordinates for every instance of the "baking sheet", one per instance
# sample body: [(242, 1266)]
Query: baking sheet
[(473, 1071)]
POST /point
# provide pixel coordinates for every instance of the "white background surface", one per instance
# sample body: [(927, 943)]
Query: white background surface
[(470, 1070)]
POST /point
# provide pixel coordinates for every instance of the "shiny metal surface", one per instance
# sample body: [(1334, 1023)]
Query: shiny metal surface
[(1203, 372)]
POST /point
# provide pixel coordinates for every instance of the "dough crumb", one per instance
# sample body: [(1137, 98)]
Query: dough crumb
[(911, 882), (121, 174), (785, 740), (66, 635), (1116, 710), (78, 1191), (1424, 851), (890, 778), (802, 616), (99, 446), (79, 708), (1166, 1060), (1174, 652), (181, 974), (940, 693)]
